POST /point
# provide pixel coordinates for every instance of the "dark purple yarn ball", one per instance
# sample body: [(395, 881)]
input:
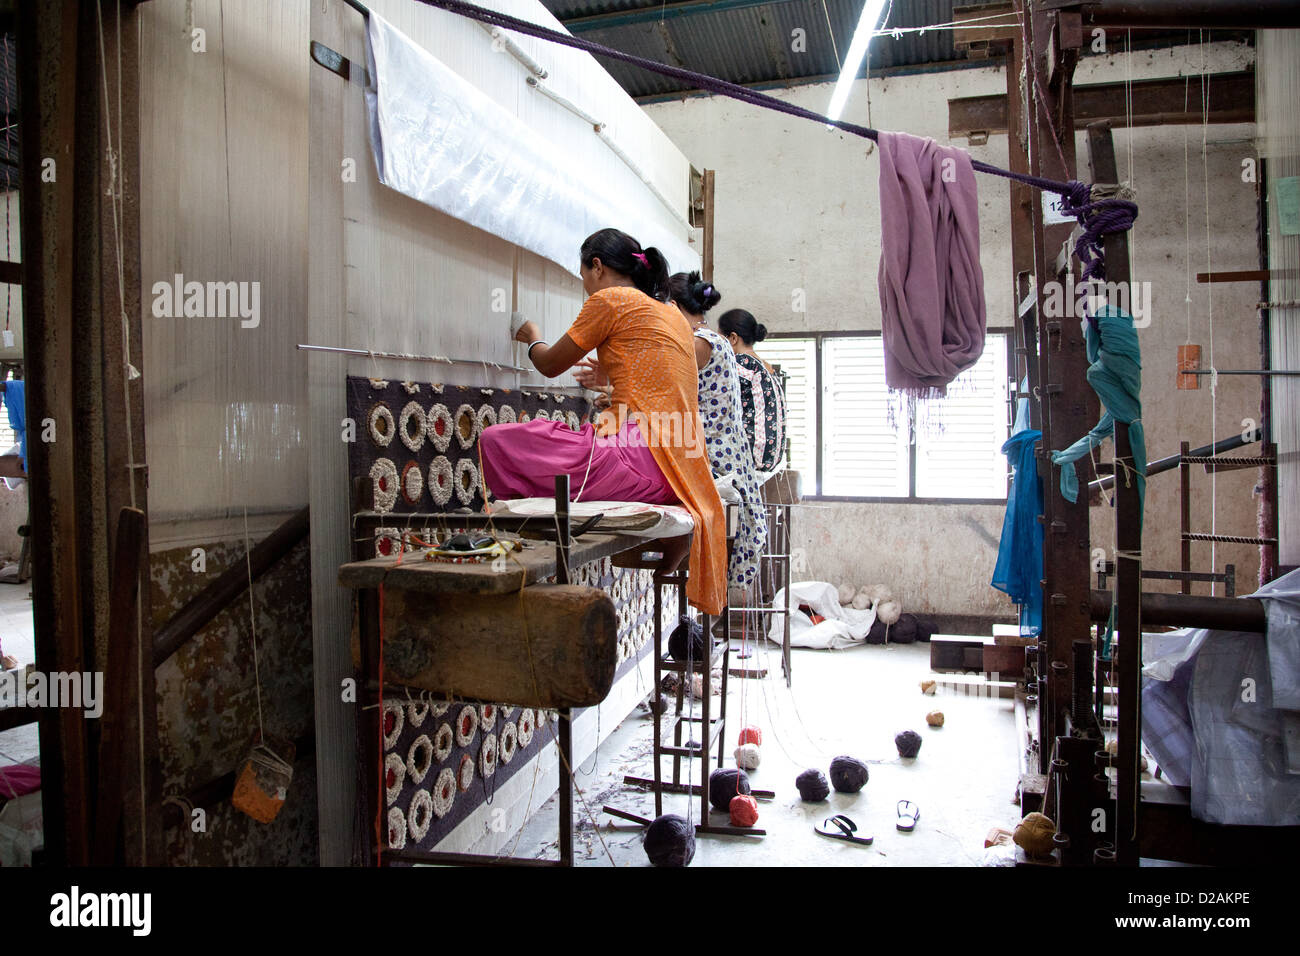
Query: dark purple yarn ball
[(812, 785), (848, 774), (670, 841), (908, 743), (725, 784)]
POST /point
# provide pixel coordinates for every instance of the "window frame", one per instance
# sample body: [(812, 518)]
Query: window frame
[(911, 498)]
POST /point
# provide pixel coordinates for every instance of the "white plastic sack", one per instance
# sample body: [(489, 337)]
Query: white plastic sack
[(439, 139), (1282, 601), (843, 627)]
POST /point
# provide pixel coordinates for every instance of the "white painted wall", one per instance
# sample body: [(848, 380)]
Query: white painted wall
[(797, 209)]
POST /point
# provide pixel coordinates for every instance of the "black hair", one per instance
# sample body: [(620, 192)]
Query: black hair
[(692, 293), (620, 252), (743, 324)]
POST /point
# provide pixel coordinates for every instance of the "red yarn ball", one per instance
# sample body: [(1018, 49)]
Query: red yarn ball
[(750, 735), (744, 811)]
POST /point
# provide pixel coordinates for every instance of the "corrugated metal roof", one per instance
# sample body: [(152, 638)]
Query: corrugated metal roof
[(753, 44)]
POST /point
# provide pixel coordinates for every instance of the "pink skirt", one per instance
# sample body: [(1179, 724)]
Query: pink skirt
[(521, 460)]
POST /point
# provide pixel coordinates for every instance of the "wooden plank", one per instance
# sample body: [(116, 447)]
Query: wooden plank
[(232, 583), (985, 32), (709, 226), (1159, 102), (118, 716), (410, 572), (1246, 275), (551, 645)]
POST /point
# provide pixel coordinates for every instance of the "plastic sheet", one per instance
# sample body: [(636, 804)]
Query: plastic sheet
[(1282, 601), (842, 627), (1210, 718), (441, 140), (1239, 776)]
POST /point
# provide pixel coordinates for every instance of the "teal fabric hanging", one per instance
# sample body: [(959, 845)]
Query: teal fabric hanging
[(1115, 374)]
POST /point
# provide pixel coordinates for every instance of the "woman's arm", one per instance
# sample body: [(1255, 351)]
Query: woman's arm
[(550, 360), (703, 351)]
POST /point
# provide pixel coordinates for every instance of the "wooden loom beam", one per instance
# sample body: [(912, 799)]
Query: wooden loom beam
[(1062, 367)]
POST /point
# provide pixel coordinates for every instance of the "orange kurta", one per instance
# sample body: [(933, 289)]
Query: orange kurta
[(647, 349)]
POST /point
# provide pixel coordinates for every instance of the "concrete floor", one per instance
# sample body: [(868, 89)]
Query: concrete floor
[(851, 702)]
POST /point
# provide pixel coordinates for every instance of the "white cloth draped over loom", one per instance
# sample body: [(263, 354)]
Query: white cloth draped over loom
[(439, 139)]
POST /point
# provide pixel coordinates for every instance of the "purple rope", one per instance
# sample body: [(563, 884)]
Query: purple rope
[(1098, 219), (1113, 222)]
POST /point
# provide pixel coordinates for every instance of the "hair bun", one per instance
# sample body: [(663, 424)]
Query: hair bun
[(760, 332)]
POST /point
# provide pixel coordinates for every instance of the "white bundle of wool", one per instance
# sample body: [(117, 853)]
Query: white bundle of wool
[(879, 594), (889, 612), (862, 600), (846, 592), (748, 756)]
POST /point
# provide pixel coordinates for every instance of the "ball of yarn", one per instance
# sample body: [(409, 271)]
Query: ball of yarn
[(748, 756), (725, 784), (934, 718), (904, 630), (812, 785), (744, 811), (848, 774), (751, 735), (929, 687), (846, 592), (670, 841), (908, 743), (879, 594), (862, 600), (1034, 834), (889, 612), (877, 633), (686, 639)]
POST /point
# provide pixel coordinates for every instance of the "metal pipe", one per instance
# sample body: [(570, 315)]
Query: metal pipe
[(514, 50), (1172, 462), (403, 357), (1189, 610), (1241, 371)]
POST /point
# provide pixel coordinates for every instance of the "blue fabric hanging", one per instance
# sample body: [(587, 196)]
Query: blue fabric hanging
[(1116, 376), (15, 403), (1019, 569)]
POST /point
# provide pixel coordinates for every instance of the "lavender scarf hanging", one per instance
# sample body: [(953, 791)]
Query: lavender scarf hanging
[(931, 284)]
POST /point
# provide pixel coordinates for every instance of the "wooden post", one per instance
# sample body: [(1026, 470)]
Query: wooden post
[(47, 80), (1062, 366), (707, 254)]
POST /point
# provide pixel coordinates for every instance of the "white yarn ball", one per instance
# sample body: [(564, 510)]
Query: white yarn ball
[(748, 757), (846, 593), (861, 600), (889, 612), (879, 594)]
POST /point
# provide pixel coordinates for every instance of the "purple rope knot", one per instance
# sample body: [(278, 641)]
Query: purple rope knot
[(1099, 219)]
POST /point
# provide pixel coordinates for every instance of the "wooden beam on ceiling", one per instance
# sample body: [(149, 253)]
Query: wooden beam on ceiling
[(1176, 100)]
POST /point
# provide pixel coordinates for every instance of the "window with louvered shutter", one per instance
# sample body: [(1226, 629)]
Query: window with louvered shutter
[(862, 454), (797, 358), (964, 459), (958, 440)]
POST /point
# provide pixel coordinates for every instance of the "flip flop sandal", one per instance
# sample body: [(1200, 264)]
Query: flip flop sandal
[(846, 830), (908, 814)]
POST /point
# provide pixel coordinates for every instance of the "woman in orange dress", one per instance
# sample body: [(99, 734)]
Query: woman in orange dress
[(649, 444)]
